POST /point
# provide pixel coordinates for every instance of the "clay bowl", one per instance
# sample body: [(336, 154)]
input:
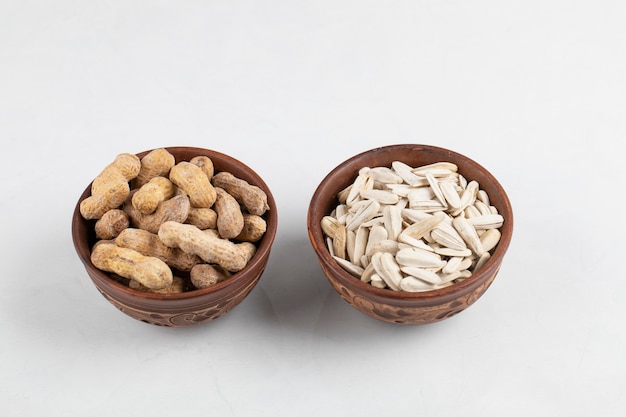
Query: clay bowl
[(192, 307), (399, 306)]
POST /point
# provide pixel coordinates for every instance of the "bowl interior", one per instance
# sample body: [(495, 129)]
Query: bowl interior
[(324, 200), (83, 234)]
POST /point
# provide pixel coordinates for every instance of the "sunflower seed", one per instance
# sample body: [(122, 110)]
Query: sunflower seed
[(419, 258), (471, 211), (376, 234), (412, 215), (422, 273), (377, 281), (419, 229), (366, 212), (360, 242), (412, 284), (452, 264), (357, 186), (450, 194), (428, 206), (404, 171), (487, 221), (392, 219), (402, 190), (469, 235), (384, 175), (482, 261), (387, 268), (450, 276), (350, 242), (482, 207), (483, 197), (443, 251), (490, 239), (368, 272), (416, 195), (385, 245), (434, 185), (382, 196), (353, 269), (439, 168), (339, 242), (446, 235), (329, 226), (469, 195)]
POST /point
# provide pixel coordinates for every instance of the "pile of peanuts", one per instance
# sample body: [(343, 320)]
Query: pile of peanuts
[(167, 227), (412, 228)]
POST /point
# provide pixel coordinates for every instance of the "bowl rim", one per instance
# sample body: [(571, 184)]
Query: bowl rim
[(258, 259), (493, 263)]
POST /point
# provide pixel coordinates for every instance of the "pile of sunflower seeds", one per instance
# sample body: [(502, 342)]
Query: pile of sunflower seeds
[(412, 229)]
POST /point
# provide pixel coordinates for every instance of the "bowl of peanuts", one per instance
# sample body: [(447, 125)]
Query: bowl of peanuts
[(410, 234), (175, 236)]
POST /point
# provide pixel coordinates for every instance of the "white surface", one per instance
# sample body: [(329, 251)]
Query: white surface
[(535, 91)]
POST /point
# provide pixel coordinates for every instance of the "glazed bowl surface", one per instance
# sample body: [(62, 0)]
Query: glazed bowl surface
[(189, 308), (403, 307)]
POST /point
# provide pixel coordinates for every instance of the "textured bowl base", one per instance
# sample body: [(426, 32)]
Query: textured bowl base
[(182, 319)]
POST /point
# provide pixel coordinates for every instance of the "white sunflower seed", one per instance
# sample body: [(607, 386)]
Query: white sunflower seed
[(419, 258), (450, 276), (350, 242), (450, 194), (377, 282), (434, 185), (353, 269), (490, 239), (416, 195), (368, 272), (482, 261), (385, 245), (367, 212), (376, 234), (392, 219), (382, 196), (487, 221), (360, 242), (483, 197), (452, 264), (482, 207), (402, 190), (469, 194), (387, 268), (357, 186), (446, 235), (384, 175), (422, 273), (471, 211), (469, 235), (412, 284), (413, 216), (329, 225), (404, 171), (419, 229), (452, 252)]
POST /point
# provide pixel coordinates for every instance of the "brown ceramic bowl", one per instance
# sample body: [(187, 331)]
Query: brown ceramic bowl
[(399, 306), (192, 307)]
